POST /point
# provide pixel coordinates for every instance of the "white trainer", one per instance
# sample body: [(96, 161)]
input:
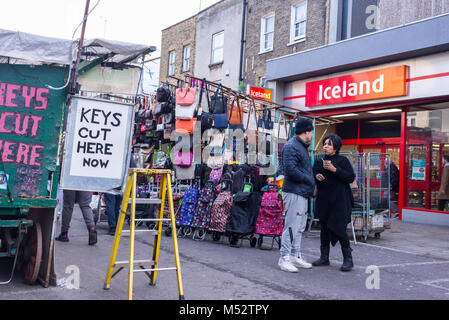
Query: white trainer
[(286, 265), (299, 262)]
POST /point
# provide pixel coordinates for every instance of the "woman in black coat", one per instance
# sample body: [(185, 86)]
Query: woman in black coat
[(334, 201)]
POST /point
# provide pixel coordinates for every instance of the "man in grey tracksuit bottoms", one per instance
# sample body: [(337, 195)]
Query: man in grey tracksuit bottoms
[(298, 187)]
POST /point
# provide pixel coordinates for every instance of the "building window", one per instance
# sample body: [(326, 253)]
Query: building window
[(171, 63), (186, 59), (298, 21), (217, 47), (267, 33)]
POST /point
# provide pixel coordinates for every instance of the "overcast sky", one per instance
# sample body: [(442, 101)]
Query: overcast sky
[(135, 21)]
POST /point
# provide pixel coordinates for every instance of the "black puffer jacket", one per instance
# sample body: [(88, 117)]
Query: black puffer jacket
[(297, 168)]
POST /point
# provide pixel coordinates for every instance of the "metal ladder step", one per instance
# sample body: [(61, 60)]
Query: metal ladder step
[(141, 231), (120, 264), (147, 201), (155, 269), (152, 219)]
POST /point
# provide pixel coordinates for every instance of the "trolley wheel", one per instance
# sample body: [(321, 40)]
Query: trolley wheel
[(150, 225), (216, 236), (253, 241), (260, 242), (377, 235), (32, 258), (168, 232)]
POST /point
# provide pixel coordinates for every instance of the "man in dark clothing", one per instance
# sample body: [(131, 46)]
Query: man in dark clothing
[(298, 187)]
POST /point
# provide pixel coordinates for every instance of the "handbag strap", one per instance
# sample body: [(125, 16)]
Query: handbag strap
[(232, 109)]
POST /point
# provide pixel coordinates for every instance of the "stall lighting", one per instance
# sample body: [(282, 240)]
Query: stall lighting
[(385, 111), (345, 115), (383, 121)]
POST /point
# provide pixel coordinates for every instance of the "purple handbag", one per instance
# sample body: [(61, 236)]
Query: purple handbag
[(183, 159)]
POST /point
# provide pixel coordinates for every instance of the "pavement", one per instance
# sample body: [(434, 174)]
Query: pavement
[(408, 261)]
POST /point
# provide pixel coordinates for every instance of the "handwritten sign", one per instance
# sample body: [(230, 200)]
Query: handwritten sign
[(97, 143), (23, 112)]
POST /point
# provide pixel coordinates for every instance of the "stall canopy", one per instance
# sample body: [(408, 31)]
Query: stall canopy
[(30, 47), (111, 67)]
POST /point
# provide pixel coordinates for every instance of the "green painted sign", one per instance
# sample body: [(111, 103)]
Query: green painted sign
[(31, 117)]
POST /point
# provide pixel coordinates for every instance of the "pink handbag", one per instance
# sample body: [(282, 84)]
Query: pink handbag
[(185, 96), (183, 159)]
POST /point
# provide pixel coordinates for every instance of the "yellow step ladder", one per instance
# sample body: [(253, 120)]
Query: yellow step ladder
[(129, 196)]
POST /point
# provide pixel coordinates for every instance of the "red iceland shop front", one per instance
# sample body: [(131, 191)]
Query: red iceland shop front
[(399, 108)]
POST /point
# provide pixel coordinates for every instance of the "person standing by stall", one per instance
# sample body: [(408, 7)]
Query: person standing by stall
[(298, 187), (83, 198), (443, 194), (334, 202)]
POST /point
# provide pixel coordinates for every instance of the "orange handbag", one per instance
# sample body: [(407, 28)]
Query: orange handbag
[(235, 113), (185, 126)]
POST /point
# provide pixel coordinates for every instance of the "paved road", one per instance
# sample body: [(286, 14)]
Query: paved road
[(409, 268)]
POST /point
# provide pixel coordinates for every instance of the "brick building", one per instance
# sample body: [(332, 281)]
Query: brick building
[(278, 28), (178, 49)]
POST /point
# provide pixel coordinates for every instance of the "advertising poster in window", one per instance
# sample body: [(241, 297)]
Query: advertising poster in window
[(419, 169)]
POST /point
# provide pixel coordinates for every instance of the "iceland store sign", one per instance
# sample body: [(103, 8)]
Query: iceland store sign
[(376, 84)]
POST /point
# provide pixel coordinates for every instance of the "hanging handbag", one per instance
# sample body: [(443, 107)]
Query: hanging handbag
[(252, 134), (217, 138), (163, 93), (150, 125), (216, 161), (184, 141), (183, 159), (203, 97), (158, 109), (206, 118), (185, 96), (185, 112), (219, 102), (235, 113), (185, 127), (185, 173), (266, 121)]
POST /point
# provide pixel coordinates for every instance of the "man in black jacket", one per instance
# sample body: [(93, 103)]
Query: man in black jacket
[(298, 187)]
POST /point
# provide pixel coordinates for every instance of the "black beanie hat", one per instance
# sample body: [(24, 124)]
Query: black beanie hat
[(303, 125)]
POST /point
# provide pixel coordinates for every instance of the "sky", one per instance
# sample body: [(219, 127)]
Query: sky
[(134, 21)]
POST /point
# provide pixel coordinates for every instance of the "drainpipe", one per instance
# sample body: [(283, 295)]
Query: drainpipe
[(242, 42)]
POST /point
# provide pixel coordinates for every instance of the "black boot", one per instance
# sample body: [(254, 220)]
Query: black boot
[(347, 259), (92, 236), (324, 258)]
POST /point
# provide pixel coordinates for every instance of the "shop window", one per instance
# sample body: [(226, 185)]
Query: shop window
[(427, 140), (348, 129), (380, 128)]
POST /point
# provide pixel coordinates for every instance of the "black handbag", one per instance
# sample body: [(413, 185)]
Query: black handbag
[(206, 118), (162, 108), (163, 93), (219, 102), (150, 124), (265, 122)]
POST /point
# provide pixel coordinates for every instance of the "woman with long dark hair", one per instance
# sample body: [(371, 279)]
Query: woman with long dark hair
[(334, 201)]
